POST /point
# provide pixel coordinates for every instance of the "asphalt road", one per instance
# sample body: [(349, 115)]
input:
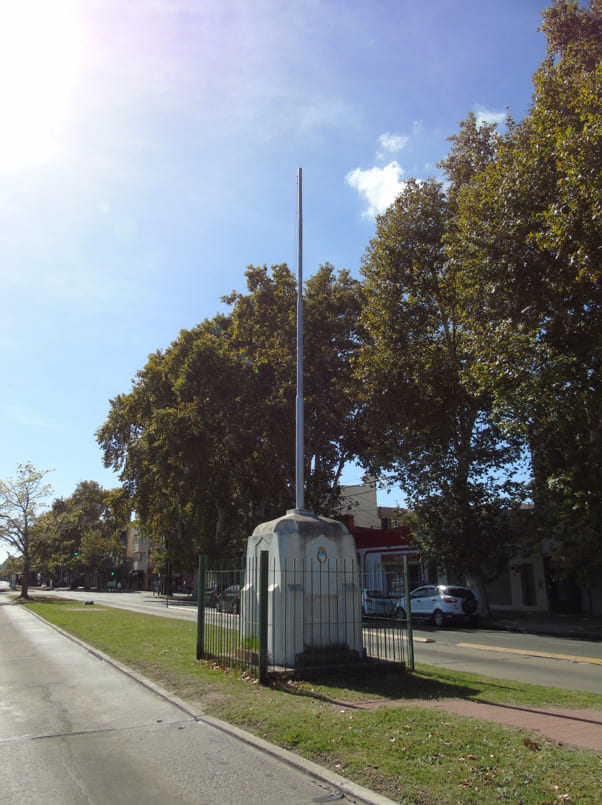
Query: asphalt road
[(75, 730), (552, 661)]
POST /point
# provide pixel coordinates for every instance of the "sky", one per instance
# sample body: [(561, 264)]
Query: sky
[(149, 152)]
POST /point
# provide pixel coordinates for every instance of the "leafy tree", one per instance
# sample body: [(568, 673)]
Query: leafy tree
[(180, 440), (101, 556), (22, 500), (427, 430), (205, 440), (81, 534), (264, 331), (529, 238)]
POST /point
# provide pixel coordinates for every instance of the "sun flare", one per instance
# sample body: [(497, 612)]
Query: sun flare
[(41, 50)]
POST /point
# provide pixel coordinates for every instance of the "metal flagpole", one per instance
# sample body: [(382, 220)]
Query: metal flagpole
[(299, 444)]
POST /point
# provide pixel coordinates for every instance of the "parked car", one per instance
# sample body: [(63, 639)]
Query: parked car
[(229, 600), (211, 595), (375, 602), (399, 608), (443, 604), (399, 603)]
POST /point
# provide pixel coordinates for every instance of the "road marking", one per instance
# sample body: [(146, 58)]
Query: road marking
[(529, 653)]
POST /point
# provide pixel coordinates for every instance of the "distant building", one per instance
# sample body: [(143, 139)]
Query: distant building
[(137, 553), (382, 542), (381, 539)]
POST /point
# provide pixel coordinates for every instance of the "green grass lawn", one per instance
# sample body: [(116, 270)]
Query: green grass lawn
[(369, 730)]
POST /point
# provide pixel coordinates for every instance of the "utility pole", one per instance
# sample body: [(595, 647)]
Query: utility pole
[(299, 480)]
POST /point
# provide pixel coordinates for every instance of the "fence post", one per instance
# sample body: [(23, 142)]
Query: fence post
[(409, 632), (263, 616), (200, 608)]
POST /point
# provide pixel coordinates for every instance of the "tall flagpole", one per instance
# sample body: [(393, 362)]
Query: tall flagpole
[(299, 444)]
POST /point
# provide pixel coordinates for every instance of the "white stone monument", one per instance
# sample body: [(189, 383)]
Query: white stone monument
[(314, 601)]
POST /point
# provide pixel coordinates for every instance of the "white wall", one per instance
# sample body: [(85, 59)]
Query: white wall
[(360, 503)]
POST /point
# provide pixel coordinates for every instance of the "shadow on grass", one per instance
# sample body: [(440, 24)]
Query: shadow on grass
[(398, 686), (46, 599)]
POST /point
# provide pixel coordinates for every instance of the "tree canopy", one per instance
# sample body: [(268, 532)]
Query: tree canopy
[(82, 535), (529, 237), (483, 320), (205, 440), (427, 430)]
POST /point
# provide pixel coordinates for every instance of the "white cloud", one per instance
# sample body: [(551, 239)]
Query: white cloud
[(391, 143), (378, 186), (487, 116)]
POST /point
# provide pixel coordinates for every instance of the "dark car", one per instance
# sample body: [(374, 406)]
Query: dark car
[(211, 595), (229, 600), (375, 602)]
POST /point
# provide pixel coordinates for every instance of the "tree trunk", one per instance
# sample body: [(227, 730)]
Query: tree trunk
[(25, 578), (477, 584)]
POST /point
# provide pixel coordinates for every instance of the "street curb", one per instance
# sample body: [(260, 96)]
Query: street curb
[(353, 791), (525, 652)]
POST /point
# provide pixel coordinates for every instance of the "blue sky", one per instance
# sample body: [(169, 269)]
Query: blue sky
[(149, 152)]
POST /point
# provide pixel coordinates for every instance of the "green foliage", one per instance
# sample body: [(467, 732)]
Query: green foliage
[(529, 237), (483, 325), (264, 331), (427, 429), (205, 440), (82, 535)]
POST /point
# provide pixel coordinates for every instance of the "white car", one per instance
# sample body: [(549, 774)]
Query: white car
[(375, 602), (444, 603)]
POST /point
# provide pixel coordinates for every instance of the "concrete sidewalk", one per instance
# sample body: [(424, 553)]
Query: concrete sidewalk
[(79, 727)]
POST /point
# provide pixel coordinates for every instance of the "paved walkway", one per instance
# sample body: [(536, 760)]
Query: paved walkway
[(578, 727)]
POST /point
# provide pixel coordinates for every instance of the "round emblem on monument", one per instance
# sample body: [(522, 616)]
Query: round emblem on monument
[(322, 555)]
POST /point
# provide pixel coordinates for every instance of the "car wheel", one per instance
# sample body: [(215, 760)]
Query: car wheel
[(438, 619), (400, 613)]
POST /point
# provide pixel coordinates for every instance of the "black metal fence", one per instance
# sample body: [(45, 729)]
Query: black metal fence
[(298, 616)]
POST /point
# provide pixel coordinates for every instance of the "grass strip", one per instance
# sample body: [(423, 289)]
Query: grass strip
[(368, 730)]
